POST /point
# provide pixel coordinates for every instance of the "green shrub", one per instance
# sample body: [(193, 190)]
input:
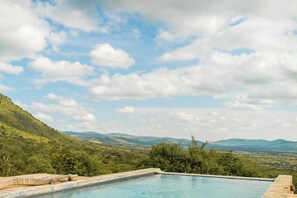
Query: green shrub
[(196, 159)]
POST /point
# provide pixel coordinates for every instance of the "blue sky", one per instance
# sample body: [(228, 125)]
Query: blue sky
[(215, 70)]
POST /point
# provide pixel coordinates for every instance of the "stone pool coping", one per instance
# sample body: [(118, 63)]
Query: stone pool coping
[(86, 181), (280, 188), (218, 176)]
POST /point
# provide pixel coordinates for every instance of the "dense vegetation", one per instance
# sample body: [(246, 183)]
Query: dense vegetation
[(197, 159), (273, 163)]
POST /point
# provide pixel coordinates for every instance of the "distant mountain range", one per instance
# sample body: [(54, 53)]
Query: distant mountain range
[(147, 141), (124, 139), (255, 145)]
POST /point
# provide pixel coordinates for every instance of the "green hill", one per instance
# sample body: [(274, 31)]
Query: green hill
[(14, 121), (29, 146)]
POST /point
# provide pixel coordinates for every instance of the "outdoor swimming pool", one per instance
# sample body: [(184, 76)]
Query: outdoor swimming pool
[(169, 186)]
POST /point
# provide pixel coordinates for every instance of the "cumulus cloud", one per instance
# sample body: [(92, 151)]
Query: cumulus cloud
[(23, 32), (185, 117), (65, 106), (257, 33), (244, 49), (72, 14), (4, 88), (205, 124), (165, 36), (57, 39), (126, 110), (10, 69), (54, 96), (107, 55), (44, 117), (250, 81), (163, 83), (187, 17), (197, 50), (200, 18), (55, 71)]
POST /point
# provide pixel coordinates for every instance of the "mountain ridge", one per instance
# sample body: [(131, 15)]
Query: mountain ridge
[(146, 141)]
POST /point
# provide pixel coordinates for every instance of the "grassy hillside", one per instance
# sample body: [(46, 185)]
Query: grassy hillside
[(15, 118), (29, 146)]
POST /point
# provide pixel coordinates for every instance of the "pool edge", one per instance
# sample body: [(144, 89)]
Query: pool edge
[(218, 176), (45, 189), (280, 187)]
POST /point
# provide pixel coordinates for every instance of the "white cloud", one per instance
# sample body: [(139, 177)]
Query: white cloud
[(187, 18), (54, 71), (127, 110), (223, 130), (257, 33), (54, 96), (10, 69), (243, 106), (44, 117), (204, 123), (194, 51), (72, 14), (165, 36), (163, 83), (4, 88), (23, 33), (106, 55), (249, 81), (57, 39), (200, 18), (88, 117), (244, 49), (64, 106), (51, 68), (185, 117), (22, 105)]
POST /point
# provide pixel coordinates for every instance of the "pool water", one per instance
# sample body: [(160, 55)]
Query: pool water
[(170, 186)]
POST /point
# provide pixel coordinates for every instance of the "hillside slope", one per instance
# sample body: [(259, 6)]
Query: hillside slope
[(29, 146), (15, 118)]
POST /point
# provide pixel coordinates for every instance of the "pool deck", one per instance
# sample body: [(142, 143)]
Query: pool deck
[(280, 188)]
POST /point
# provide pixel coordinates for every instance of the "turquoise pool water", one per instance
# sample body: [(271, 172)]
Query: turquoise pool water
[(170, 186)]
